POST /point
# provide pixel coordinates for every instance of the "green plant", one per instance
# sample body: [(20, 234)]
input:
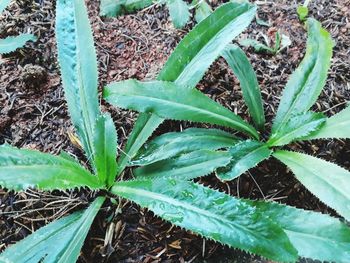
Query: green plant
[(281, 42), (179, 10), (303, 10), (10, 44), (175, 157), (231, 221)]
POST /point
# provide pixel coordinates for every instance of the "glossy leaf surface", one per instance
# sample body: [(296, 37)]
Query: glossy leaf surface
[(174, 143), (210, 213), (77, 58), (105, 149), (187, 166), (337, 126), (57, 242), (201, 46), (143, 129), (244, 71), (206, 41), (245, 155), (22, 169), (329, 182), (297, 128), (314, 235), (80, 231), (171, 101), (307, 81)]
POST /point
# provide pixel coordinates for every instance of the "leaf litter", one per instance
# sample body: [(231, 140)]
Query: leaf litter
[(137, 45)]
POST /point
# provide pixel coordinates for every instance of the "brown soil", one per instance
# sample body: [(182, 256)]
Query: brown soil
[(33, 114)]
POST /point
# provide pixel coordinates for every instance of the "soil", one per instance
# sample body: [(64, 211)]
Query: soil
[(33, 114)]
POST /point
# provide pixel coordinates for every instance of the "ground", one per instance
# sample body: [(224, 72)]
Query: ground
[(33, 114)]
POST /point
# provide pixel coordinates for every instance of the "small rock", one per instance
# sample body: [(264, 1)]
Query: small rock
[(33, 76)]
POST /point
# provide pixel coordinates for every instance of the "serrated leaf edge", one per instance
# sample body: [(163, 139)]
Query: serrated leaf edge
[(331, 163)]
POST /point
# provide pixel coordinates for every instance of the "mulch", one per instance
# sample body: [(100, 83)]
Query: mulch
[(33, 114)]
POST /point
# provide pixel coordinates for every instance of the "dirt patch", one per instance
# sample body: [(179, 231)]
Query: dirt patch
[(33, 114)]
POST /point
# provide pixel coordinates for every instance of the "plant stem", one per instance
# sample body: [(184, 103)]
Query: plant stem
[(306, 3)]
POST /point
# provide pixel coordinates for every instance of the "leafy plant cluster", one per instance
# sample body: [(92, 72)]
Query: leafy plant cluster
[(12, 43), (167, 165), (179, 10)]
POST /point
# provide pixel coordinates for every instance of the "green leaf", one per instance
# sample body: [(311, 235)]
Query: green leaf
[(59, 241), (277, 42), (210, 213), (206, 41), (179, 12), (245, 155), (82, 227), (337, 126), (68, 157), (256, 45), (174, 143), (186, 166), (22, 169), (260, 47), (297, 128), (4, 4), (38, 247), (202, 11), (329, 182), (111, 8), (306, 83), (244, 71), (302, 12), (10, 44), (201, 46), (314, 235), (172, 101), (105, 149), (143, 129), (77, 58)]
